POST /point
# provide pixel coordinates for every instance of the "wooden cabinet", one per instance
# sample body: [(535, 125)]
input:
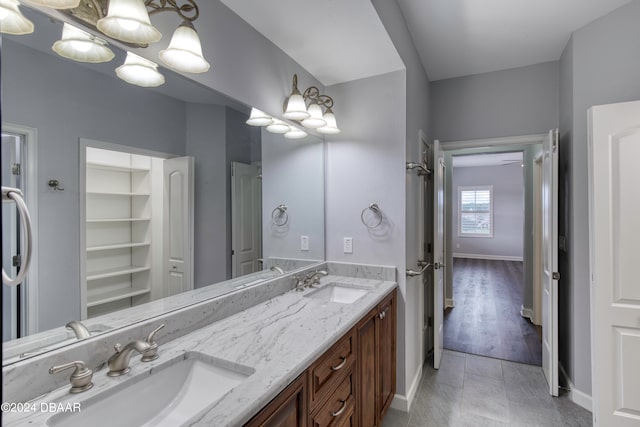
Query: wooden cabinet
[(376, 366), (288, 409), (351, 384)]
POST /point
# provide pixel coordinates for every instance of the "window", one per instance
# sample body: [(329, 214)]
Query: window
[(475, 211)]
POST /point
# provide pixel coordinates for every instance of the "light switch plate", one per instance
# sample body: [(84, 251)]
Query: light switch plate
[(304, 243), (348, 245)]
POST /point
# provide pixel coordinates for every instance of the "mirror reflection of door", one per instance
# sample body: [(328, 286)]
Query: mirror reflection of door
[(13, 301), (138, 228), (246, 219)]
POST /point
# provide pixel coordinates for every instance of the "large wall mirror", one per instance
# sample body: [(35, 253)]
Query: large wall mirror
[(139, 194)]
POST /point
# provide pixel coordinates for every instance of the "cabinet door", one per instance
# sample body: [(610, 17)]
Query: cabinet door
[(387, 352), (288, 409), (367, 371)]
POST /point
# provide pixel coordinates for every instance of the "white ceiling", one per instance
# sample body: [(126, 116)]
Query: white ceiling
[(462, 37), (335, 40), (344, 40), (489, 159)]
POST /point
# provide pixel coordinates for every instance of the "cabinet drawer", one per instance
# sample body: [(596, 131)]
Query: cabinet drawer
[(339, 408), (329, 370)]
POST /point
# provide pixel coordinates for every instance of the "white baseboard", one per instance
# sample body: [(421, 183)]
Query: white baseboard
[(449, 303), (578, 397), (490, 257), (527, 312), (402, 402)]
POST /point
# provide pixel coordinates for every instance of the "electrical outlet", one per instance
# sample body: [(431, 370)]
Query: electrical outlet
[(348, 245), (304, 243)]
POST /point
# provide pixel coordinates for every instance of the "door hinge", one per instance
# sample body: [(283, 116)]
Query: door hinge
[(16, 261), (233, 252), (430, 322), (16, 169), (555, 275), (428, 248)]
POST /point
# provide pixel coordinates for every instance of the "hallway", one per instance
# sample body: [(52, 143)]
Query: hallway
[(486, 319), (471, 390)]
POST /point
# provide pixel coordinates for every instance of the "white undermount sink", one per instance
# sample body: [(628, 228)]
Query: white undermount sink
[(335, 292), (165, 397)]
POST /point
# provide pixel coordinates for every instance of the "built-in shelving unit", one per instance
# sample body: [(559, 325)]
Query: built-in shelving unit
[(118, 230)]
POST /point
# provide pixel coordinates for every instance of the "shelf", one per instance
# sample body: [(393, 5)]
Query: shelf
[(113, 272), (116, 295), (118, 246), (104, 220), (117, 193), (115, 168)]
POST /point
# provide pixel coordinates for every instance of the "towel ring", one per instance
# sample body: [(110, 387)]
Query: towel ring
[(373, 207), (279, 215)]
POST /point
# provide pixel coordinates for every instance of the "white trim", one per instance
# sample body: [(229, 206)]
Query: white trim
[(403, 403), (449, 303), (527, 312), (31, 190), (578, 397), (489, 257), (493, 142)]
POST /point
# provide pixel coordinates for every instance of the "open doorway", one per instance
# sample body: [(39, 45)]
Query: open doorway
[(490, 301)]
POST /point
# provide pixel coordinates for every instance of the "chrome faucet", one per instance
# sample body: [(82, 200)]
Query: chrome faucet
[(119, 362), (313, 278), (79, 329), (278, 269), (152, 352), (80, 377)]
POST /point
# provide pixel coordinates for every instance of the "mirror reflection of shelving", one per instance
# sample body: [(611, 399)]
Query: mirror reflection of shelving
[(119, 238)]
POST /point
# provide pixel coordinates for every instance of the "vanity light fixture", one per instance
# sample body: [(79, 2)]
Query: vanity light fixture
[(259, 118), (12, 21), (128, 20), (185, 51), (295, 133), (140, 71), (278, 126), (311, 116), (81, 46), (57, 4)]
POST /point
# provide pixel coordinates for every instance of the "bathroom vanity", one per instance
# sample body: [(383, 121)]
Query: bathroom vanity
[(320, 356)]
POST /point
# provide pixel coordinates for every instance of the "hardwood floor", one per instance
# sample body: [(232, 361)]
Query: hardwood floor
[(486, 319)]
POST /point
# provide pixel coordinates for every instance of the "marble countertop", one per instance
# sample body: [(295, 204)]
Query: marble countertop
[(277, 339)]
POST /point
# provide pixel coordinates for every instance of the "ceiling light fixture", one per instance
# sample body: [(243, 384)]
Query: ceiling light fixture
[(185, 51), (128, 21), (140, 71), (56, 4), (295, 133), (81, 46), (12, 21), (259, 118), (295, 108), (278, 126)]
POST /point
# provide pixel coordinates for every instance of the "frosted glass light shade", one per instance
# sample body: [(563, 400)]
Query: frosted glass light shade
[(331, 127), (81, 46), (139, 71), (185, 51), (278, 126), (296, 108), (315, 119), (259, 118), (295, 133), (128, 21), (57, 4), (12, 21)]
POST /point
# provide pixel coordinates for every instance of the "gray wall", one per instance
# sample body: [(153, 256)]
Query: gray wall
[(48, 93), (508, 208), (519, 101), (600, 66), (205, 141)]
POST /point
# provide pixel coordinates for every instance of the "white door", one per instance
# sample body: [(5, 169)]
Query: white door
[(178, 225), (614, 219), (550, 261), (246, 214), (438, 253)]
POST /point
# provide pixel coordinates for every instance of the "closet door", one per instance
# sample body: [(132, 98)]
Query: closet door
[(178, 233)]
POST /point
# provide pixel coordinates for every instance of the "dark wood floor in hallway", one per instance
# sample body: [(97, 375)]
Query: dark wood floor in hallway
[(486, 319)]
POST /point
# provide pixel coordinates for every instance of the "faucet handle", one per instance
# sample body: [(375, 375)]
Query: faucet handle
[(80, 378), (152, 353)]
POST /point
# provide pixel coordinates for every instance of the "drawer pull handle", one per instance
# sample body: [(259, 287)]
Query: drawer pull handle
[(341, 410), (340, 365)]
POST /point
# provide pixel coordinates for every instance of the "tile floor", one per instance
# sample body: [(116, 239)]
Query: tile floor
[(471, 390)]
